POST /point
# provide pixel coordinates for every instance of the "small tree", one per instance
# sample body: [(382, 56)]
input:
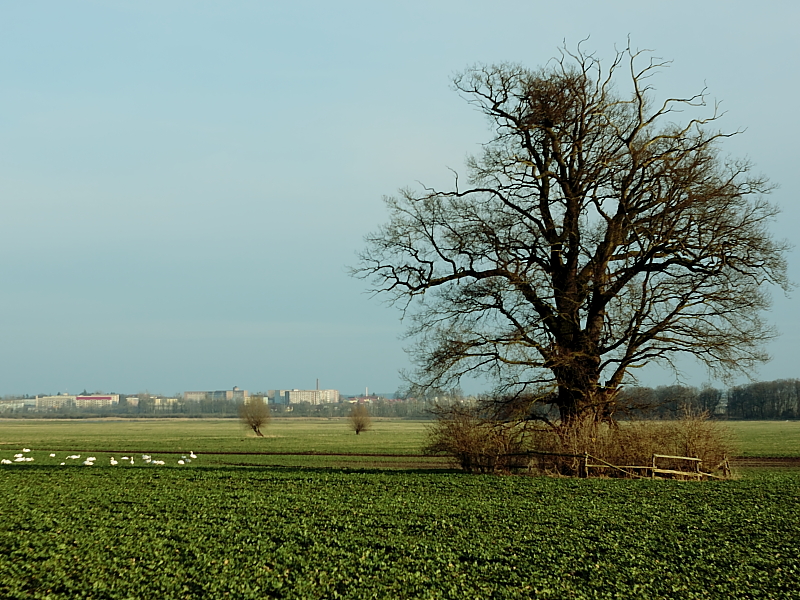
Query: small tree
[(360, 419), (254, 413)]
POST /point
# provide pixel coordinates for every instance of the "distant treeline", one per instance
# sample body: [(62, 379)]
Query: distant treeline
[(669, 401), (778, 399), (763, 400)]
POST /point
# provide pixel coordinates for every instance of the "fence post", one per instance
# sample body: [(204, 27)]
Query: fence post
[(653, 470), (585, 464)]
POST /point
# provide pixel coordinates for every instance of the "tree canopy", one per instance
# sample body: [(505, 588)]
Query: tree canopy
[(594, 234)]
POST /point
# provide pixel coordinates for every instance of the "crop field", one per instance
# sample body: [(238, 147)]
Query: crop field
[(227, 532), (237, 526)]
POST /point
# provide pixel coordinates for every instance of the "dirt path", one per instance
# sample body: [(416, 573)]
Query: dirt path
[(762, 462)]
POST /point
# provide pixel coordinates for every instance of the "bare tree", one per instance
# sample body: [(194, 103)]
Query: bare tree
[(360, 419), (595, 235), (254, 413)]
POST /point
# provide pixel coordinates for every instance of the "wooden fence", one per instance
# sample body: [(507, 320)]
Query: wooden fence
[(693, 468)]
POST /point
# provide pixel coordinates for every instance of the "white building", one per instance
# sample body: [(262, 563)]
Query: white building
[(313, 397), (96, 401), (234, 395), (54, 402)]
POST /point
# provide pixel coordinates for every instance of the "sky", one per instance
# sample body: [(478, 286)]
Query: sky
[(183, 184)]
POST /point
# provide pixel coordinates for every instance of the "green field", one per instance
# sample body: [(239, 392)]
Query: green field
[(218, 435), (153, 436), (766, 438), (237, 526), (227, 532), (751, 438)]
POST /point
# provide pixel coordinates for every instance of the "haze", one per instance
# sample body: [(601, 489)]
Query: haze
[(183, 184)]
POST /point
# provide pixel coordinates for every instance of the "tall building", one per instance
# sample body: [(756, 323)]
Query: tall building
[(234, 395), (96, 401), (55, 402), (313, 397)]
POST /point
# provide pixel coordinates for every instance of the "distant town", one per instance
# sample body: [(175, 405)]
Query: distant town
[(290, 402), (778, 399)]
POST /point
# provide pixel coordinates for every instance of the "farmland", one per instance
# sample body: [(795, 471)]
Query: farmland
[(251, 533), (751, 438), (216, 530), (224, 435)]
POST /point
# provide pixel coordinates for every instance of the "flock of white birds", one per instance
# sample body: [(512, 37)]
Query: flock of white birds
[(90, 460)]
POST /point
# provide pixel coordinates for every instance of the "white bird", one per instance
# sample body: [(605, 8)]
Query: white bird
[(88, 463), (52, 456), (146, 457), (18, 456), (192, 455), (74, 456), (180, 462), (92, 458), (62, 464), (5, 461), (158, 462), (131, 460), (114, 463), (26, 449), (125, 458)]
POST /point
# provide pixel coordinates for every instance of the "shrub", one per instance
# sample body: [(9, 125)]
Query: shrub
[(633, 443), (476, 444), (479, 444)]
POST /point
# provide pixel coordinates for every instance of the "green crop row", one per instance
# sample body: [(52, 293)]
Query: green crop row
[(108, 533)]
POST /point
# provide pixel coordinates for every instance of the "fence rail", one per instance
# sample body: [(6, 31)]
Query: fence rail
[(653, 471)]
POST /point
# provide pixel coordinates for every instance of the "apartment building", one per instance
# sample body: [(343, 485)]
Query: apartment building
[(96, 401), (313, 397), (234, 395)]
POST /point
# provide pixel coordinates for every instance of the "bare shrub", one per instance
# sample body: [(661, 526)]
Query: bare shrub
[(360, 419), (476, 444), (480, 442), (254, 414), (696, 434), (633, 443)]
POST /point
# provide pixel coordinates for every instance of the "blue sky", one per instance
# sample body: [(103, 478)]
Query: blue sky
[(184, 183)]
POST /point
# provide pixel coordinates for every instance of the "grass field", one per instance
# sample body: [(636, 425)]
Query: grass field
[(154, 436), (752, 438), (218, 435), (766, 438)]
